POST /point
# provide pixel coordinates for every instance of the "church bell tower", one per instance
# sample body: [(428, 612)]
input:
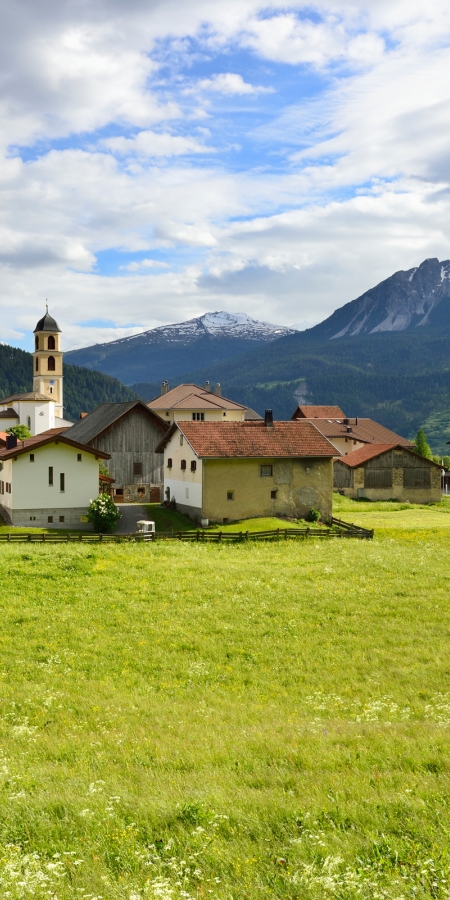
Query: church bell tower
[(48, 362)]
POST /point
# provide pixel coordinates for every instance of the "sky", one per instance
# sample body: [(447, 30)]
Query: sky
[(166, 158)]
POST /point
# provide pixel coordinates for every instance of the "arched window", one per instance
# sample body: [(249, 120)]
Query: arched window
[(36, 342), (51, 343), (51, 364)]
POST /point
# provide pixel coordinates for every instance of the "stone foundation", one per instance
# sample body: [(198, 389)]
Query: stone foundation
[(38, 518)]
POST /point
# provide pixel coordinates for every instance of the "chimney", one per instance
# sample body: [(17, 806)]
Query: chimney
[(349, 429), (268, 418), (356, 420), (207, 385), (164, 388), (346, 421), (11, 442), (218, 390)]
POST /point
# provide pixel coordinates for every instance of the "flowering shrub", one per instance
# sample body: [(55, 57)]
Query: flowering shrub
[(103, 514)]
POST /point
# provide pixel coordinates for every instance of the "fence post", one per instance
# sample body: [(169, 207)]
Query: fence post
[(100, 537), (220, 535), (29, 538), (285, 534)]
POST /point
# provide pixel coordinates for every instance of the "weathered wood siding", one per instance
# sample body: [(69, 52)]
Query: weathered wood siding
[(132, 440)]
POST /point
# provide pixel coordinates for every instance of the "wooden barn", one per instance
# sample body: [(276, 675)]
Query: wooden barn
[(131, 431), (387, 472)]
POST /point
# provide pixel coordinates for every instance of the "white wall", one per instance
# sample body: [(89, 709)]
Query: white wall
[(30, 487), (6, 477), (180, 480), (41, 413), (211, 415)]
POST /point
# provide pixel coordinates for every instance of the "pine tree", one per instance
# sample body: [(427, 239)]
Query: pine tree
[(422, 446)]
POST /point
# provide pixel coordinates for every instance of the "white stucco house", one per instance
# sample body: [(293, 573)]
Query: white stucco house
[(48, 480), (32, 409)]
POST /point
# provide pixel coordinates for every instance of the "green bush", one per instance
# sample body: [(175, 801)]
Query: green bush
[(313, 515), (22, 432), (103, 514)]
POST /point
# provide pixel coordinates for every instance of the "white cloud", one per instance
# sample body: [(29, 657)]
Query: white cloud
[(231, 83), (380, 131), (153, 144)]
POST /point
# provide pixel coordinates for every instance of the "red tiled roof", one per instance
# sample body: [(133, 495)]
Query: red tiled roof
[(318, 412), (363, 454), (365, 430), (49, 437), (237, 440)]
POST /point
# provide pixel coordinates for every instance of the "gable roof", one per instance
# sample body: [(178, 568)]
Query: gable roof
[(107, 414), (191, 396), (366, 431), (8, 413), (40, 440), (318, 412), (240, 440), (371, 451), (29, 395)]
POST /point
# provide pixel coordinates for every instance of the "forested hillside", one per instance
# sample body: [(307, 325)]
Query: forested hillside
[(400, 379), (83, 389)]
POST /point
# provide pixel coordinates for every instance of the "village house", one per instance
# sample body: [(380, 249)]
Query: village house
[(129, 433), (223, 471), (48, 479), (189, 401), (347, 435), (388, 472)]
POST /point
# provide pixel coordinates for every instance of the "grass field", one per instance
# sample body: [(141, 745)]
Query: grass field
[(248, 721)]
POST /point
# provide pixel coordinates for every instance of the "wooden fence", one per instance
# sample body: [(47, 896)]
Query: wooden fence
[(338, 530)]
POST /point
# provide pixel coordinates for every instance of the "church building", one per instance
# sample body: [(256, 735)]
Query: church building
[(42, 408)]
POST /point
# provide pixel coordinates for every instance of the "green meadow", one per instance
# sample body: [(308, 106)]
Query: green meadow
[(272, 720)]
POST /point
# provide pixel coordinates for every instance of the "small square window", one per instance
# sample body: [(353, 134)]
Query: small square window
[(273, 495), (31, 457), (78, 457), (230, 495), (61, 518), (265, 471), (50, 519), (137, 469)]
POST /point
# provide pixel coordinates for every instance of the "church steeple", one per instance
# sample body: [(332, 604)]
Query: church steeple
[(48, 361)]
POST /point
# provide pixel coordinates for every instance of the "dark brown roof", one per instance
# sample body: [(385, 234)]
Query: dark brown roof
[(96, 422), (191, 396), (365, 430), (318, 412), (237, 440), (8, 413), (371, 451), (40, 440)]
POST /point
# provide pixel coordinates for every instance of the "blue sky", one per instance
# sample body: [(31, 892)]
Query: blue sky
[(164, 159)]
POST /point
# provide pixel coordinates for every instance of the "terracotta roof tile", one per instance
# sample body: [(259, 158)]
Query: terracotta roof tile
[(318, 412), (252, 439), (365, 430), (363, 454)]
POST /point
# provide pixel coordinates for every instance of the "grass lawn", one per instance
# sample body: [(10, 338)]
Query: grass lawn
[(171, 520), (249, 721)]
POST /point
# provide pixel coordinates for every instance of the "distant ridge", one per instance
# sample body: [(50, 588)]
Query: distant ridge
[(171, 350), (408, 300)]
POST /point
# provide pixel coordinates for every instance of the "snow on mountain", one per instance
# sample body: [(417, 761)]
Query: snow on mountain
[(215, 324), (172, 350), (407, 300)]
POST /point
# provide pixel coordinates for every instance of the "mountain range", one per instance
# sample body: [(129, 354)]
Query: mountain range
[(385, 355), (171, 350)]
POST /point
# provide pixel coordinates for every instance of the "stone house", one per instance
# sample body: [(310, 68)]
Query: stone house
[(235, 470), (388, 472)]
